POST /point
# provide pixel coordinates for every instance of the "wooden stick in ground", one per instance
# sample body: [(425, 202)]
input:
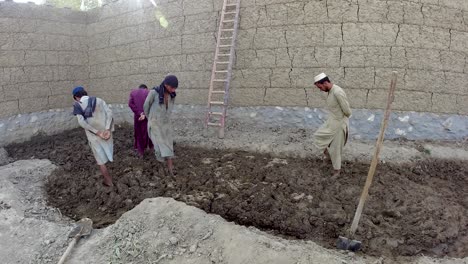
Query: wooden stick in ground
[(375, 158)]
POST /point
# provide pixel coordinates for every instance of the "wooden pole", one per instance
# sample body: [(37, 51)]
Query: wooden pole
[(375, 158)]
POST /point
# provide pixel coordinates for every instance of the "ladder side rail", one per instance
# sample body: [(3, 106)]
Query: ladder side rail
[(218, 42), (230, 65)]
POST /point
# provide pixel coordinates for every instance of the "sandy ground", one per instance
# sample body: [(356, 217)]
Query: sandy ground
[(162, 230)]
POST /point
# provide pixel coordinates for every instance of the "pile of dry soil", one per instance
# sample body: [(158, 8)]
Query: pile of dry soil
[(413, 208)]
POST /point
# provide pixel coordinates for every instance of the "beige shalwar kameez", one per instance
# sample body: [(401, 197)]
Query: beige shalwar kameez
[(333, 134), (160, 125), (100, 121)]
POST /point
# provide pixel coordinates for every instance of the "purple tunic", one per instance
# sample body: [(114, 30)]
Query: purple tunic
[(136, 102)]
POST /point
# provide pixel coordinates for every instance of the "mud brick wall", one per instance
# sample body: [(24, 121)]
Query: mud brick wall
[(42, 54), (129, 45), (282, 45), (359, 43)]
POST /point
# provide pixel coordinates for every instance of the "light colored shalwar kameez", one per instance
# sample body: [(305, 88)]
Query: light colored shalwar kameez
[(333, 134), (100, 121), (160, 125)]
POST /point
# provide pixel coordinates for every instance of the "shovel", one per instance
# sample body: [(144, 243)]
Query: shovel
[(82, 228), (346, 243)]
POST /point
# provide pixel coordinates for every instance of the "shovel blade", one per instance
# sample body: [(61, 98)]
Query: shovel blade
[(345, 243), (82, 228)]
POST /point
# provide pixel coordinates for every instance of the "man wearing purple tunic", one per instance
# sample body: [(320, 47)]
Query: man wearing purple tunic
[(140, 122)]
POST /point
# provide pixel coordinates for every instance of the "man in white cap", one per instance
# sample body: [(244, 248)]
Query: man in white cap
[(333, 134)]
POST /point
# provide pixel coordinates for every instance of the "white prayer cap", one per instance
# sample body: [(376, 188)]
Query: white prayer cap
[(319, 77)]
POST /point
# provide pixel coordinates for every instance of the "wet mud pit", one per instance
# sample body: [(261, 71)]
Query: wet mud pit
[(418, 208)]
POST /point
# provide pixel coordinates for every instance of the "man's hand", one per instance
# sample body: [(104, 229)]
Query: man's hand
[(100, 134), (142, 117), (105, 134)]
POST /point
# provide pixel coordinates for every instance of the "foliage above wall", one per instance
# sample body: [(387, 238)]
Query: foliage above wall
[(82, 5)]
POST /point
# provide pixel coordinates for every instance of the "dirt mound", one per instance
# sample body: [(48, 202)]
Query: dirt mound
[(415, 208), (31, 231), (162, 230)]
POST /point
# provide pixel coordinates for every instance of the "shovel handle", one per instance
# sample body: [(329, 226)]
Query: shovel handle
[(375, 158), (69, 249)]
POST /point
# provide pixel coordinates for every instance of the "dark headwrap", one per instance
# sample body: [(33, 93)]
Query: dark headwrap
[(170, 80), (77, 90), (88, 112)]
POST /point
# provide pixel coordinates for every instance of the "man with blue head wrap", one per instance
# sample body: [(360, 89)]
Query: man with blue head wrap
[(95, 117), (158, 109)]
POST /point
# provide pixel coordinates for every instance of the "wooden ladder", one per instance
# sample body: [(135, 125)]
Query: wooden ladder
[(222, 66)]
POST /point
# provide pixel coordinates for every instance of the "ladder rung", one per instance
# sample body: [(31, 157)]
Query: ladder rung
[(226, 38), (227, 29), (222, 71), (218, 92), (228, 21), (214, 124), (224, 54), (222, 62), (230, 13), (219, 80), (216, 113), (231, 5), (217, 103), (225, 46)]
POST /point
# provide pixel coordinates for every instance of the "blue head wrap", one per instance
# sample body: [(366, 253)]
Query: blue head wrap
[(77, 90)]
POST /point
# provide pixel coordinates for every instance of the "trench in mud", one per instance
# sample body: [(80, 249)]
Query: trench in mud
[(413, 208)]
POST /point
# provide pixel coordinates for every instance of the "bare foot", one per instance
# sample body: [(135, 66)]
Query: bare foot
[(173, 172), (108, 184), (335, 175)]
